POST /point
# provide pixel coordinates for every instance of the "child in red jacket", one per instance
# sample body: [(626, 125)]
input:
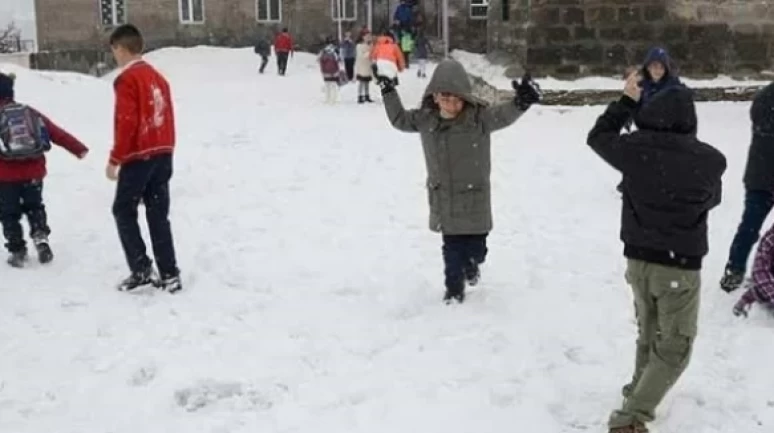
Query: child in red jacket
[(25, 136), (141, 162)]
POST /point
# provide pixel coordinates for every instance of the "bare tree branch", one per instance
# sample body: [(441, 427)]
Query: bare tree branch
[(10, 38)]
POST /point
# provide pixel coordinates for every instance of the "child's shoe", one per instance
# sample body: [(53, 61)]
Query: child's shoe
[(171, 284), (18, 259), (45, 255), (138, 280)]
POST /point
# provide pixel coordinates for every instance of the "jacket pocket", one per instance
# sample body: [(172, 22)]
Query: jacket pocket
[(470, 199)]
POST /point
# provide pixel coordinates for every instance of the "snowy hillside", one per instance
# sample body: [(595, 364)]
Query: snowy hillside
[(313, 286)]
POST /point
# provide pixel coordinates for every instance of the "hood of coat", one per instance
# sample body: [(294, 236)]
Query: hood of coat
[(450, 77), (657, 54), (671, 110)]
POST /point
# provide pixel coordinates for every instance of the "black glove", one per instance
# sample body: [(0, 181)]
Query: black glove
[(387, 85), (527, 92)]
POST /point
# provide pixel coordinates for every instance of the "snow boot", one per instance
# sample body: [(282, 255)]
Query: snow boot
[(138, 280), (361, 99), (731, 280), (368, 98), (17, 259), (472, 273), (451, 297), (170, 284), (45, 255), (637, 427)]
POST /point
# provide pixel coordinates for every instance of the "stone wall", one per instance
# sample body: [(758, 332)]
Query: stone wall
[(18, 59), (588, 37)]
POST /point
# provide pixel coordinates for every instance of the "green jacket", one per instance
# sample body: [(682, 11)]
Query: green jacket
[(457, 151)]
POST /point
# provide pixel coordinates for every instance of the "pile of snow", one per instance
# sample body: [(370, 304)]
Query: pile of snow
[(477, 64), (312, 300)]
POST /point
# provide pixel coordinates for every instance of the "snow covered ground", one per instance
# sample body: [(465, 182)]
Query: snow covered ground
[(313, 286), (478, 64)]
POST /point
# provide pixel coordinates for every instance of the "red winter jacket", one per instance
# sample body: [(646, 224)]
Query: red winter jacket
[(144, 122), (35, 169), (283, 43)]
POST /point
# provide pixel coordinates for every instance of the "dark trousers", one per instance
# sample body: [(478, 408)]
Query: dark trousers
[(146, 180), (282, 62), (17, 199), (407, 57), (349, 67), (757, 205), (461, 256), (264, 62)]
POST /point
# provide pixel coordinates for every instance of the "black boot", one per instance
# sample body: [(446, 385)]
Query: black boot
[(45, 255), (361, 99), (454, 295), (472, 273), (17, 259), (171, 284), (368, 98), (138, 280)]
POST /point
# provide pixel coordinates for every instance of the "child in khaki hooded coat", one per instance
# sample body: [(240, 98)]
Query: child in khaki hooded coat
[(455, 129)]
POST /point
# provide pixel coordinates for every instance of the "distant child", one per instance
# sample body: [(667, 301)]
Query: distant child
[(455, 130), (406, 46), (348, 54), (762, 287), (329, 67), (387, 58), (25, 137), (263, 49), (363, 71), (141, 162), (422, 52)]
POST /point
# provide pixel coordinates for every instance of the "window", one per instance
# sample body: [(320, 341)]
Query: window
[(479, 9), (113, 12), (269, 10), (348, 10), (191, 11)]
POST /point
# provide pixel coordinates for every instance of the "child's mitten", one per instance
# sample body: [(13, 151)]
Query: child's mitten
[(527, 92)]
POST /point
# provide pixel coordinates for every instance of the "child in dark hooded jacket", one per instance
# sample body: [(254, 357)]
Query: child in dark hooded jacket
[(455, 129)]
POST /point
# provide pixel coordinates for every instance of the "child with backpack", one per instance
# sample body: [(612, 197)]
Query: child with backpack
[(455, 129), (329, 67), (25, 136)]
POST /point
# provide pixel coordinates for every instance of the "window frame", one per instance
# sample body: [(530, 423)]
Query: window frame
[(478, 5), (334, 6), (113, 22), (191, 20), (268, 13)]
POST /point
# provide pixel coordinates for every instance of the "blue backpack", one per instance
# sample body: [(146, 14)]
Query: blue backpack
[(23, 134)]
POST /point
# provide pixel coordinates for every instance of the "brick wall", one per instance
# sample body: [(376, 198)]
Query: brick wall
[(581, 37)]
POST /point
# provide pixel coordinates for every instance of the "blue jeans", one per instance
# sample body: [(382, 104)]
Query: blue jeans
[(757, 205)]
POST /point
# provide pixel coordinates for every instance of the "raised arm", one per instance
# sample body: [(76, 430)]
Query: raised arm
[(402, 119), (502, 115), (605, 138)]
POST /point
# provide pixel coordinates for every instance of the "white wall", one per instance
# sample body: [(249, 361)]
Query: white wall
[(19, 59)]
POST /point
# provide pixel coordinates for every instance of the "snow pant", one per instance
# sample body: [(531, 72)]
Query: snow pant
[(422, 67), (666, 302), (461, 256), (146, 180), (406, 57), (264, 62), (757, 205), (349, 68), (363, 84), (331, 91), (282, 62), (19, 199)]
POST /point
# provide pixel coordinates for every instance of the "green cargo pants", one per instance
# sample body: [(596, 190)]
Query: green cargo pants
[(666, 301)]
